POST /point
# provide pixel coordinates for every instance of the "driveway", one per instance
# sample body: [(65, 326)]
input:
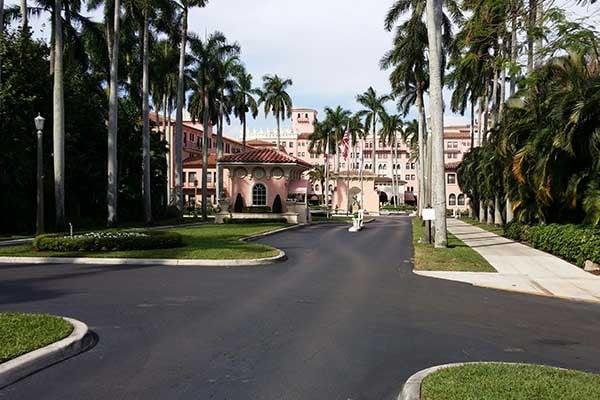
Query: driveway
[(343, 318)]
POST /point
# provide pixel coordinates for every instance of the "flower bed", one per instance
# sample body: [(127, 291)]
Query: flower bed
[(108, 241)]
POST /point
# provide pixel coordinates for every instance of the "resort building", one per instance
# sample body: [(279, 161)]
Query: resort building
[(382, 163)]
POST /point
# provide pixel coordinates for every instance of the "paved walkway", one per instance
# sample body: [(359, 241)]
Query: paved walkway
[(520, 267)]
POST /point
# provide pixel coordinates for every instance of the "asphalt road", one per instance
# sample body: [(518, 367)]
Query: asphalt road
[(343, 318)]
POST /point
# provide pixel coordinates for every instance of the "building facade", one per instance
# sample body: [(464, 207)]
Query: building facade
[(381, 160)]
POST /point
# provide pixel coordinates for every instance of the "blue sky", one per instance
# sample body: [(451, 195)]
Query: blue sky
[(329, 48)]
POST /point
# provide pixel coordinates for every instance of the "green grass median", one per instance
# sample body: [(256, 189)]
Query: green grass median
[(22, 333), (213, 242), (456, 257), (496, 381)]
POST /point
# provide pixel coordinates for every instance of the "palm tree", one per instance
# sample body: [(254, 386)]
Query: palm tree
[(356, 129), (276, 100), (58, 131), (163, 83), (207, 56), (391, 126), (227, 68), (373, 107), (434, 33), (113, 35), (243, 100), (336, 121), (317, 174), (185, 8)]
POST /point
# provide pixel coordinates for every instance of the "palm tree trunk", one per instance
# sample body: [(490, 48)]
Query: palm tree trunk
[(434, 34), (497, 214), (113, 109), (178, 154), (490, 213), (530, 36), (537, 56), (58, 131), (394, 181), (421, 142), (244, 131), (24, 20), (495, 80), (205, 156), (513, 52), (482, 211), (146, 183), (480, 121), (167, 129), (472, 130), (278, 132), (486, 105), (374, 144), (1, 37), (219, 187)]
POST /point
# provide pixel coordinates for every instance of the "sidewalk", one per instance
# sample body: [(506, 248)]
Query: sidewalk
[(520, 267)]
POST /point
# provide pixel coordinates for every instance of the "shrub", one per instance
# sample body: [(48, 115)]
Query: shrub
[(277, 206), (108, 241), (257, 209), (254, 220), (574, 243)]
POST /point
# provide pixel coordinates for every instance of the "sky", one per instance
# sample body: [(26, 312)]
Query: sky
[(329, 48)]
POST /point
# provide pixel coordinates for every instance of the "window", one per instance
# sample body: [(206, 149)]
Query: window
[(407, 165), (192, 177), (452, 179), (412, 165), (209, 178), (461, 199), (406, 177), (412, 177), (259, 195), (291, 144), (455, 145), (299, 115), (452, 199), (306, 115)]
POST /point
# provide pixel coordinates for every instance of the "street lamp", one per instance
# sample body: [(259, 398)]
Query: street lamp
[(39, 222)]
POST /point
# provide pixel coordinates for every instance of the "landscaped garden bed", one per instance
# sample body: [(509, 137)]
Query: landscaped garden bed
[(214, 242), (108, 241), (499, 381), (23, 333), (456, 257)]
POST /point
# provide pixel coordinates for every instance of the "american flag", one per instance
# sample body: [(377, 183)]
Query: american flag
[(346, 145)]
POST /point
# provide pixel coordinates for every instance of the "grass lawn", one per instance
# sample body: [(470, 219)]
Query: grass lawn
[(490, 228), (457, 257), (509, 382), (215, 242), (22, 333)]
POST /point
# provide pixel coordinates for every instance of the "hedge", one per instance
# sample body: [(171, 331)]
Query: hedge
[(574, 243), (108, 241), (255, 221)]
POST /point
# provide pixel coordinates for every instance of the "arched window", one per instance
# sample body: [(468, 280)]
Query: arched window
[(461, 199), (452, 200), (259, 195)]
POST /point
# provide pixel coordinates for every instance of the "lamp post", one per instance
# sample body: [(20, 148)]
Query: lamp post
[(39, 222)]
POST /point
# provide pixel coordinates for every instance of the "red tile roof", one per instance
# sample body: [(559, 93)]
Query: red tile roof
[(196, 162), (267, 156)]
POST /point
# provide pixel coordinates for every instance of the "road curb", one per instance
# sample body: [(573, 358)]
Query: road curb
[(145, 261), (18, 368), (411, 390)]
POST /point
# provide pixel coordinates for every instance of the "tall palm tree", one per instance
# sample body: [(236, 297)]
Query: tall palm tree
[(336, 121), (356, 130), (373, 107), (227, 68), (391, 126), (58, 129), (243, 100), (276, 100), (185, 8), (163, 84), (113, 35), (207, 56), (434, 33)]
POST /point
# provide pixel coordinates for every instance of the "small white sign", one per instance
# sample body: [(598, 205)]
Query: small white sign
[(428, 214)]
